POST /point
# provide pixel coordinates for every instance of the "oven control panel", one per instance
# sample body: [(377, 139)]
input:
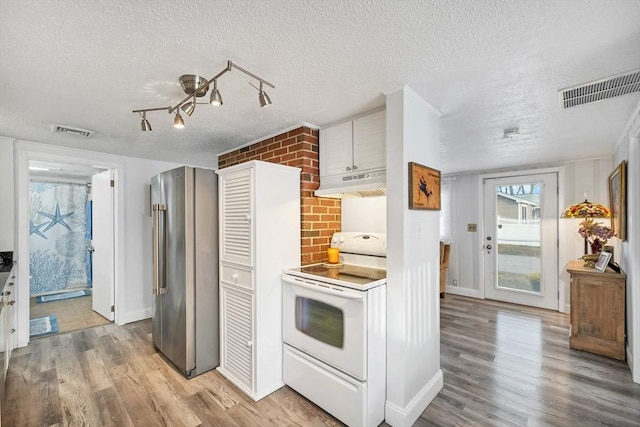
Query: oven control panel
[(361, 243)]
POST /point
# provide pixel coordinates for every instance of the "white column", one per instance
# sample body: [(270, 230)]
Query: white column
[(414, 377)]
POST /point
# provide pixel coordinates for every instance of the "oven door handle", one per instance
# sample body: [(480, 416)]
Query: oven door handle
[(347, 293)]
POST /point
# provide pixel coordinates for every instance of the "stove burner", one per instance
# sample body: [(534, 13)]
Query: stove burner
[(318, 268)]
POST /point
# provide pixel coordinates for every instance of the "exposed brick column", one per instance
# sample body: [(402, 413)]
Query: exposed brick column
[(319, 217)]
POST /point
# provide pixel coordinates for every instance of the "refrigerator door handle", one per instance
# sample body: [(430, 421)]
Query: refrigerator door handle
[(158, 265)]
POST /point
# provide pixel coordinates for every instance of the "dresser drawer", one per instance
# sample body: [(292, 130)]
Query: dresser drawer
[(236, 276)]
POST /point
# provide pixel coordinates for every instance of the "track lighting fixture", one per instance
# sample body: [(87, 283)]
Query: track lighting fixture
[(195, 87)]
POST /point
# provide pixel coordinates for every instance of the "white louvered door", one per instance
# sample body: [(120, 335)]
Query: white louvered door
[(236, 231), (237, 335)]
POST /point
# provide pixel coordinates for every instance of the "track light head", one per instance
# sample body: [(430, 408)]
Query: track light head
[(216, 98), (178, 123), (189, 107), (144, 124), (264, 99)]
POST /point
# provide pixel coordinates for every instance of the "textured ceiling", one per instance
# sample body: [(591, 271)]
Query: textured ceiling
[(487, 65)]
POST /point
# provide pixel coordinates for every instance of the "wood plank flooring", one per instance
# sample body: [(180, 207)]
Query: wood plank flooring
[(510, 365), (504, 365)]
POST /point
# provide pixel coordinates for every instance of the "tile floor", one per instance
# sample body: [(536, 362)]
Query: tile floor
[(73, 314)]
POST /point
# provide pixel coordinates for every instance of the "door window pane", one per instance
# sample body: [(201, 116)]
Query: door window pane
[(519, 236), (320, 321)]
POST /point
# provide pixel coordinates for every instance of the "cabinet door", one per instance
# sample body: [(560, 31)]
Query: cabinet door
[(236, 222), (336, 149), (370, 142), (237, 336)]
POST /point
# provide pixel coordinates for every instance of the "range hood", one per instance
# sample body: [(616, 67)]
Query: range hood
[(364, 184)]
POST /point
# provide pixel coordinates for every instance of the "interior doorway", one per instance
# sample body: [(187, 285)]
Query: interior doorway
[(521, 239), (61, 261)]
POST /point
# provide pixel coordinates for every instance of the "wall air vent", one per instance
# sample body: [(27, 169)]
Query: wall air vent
[(85, 133), (599, 90)]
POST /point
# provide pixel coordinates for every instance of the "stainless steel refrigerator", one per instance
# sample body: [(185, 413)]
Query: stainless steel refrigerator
[(185, 268)]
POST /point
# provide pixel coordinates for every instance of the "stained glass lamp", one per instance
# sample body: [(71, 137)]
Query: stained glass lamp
[(586, 210)]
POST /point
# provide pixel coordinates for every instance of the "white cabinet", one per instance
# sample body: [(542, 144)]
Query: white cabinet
[(7, 325), (355, 146), (259, 238)]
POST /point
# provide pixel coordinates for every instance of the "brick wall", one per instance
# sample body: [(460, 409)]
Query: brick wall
[(319, 217)]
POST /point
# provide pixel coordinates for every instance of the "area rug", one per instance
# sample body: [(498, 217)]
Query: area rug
[(62, 295), (43, 326)]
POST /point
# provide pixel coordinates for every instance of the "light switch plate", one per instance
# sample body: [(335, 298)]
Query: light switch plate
[(472, 227)]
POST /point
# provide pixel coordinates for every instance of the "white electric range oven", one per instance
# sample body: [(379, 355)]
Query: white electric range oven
[(334, 330)]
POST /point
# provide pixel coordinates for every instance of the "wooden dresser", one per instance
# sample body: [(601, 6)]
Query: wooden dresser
[(597, 310)]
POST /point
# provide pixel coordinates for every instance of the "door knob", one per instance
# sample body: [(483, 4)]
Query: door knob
[(489, 246)]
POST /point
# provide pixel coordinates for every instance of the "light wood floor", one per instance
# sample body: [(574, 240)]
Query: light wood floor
[(73, 313), (503, 365), (510, 365)]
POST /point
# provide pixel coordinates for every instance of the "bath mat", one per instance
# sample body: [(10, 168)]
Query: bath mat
[(43, 326), (62, 295)]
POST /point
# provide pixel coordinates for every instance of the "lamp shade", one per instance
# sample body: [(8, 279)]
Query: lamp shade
[(586, 209)]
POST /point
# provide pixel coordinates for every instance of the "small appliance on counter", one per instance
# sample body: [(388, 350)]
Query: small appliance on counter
[(334, 330)]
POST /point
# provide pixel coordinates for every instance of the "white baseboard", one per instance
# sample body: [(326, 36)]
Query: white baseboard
[(465, 292), (405, 417), (630, 361), (133, 316)]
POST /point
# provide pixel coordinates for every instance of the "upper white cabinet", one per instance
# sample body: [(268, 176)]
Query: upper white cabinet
[(355, 146), (259, 218)]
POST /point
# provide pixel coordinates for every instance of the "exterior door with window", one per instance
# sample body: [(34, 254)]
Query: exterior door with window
[(521, 239)]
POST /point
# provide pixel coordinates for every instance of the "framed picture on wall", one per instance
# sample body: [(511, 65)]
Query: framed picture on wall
[(618, 200), (424, 187)]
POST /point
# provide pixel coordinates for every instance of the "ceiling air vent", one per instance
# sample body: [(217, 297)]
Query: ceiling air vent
[(85, 133), (599, 90)]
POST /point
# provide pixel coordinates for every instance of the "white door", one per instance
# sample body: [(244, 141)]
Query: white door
[(521, 239), (103, 244)]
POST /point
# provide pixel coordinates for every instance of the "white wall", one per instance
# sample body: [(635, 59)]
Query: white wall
[(6, 194), (575, 179), (133, 259), (628, 254), (413, 304), (465, 245), (364, 214)]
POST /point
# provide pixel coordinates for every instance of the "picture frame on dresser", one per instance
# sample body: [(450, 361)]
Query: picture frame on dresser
[(618, 200), (603, 261)]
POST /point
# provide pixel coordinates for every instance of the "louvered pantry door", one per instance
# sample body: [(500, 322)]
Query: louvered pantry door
[(237, 336), (235, 218)]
